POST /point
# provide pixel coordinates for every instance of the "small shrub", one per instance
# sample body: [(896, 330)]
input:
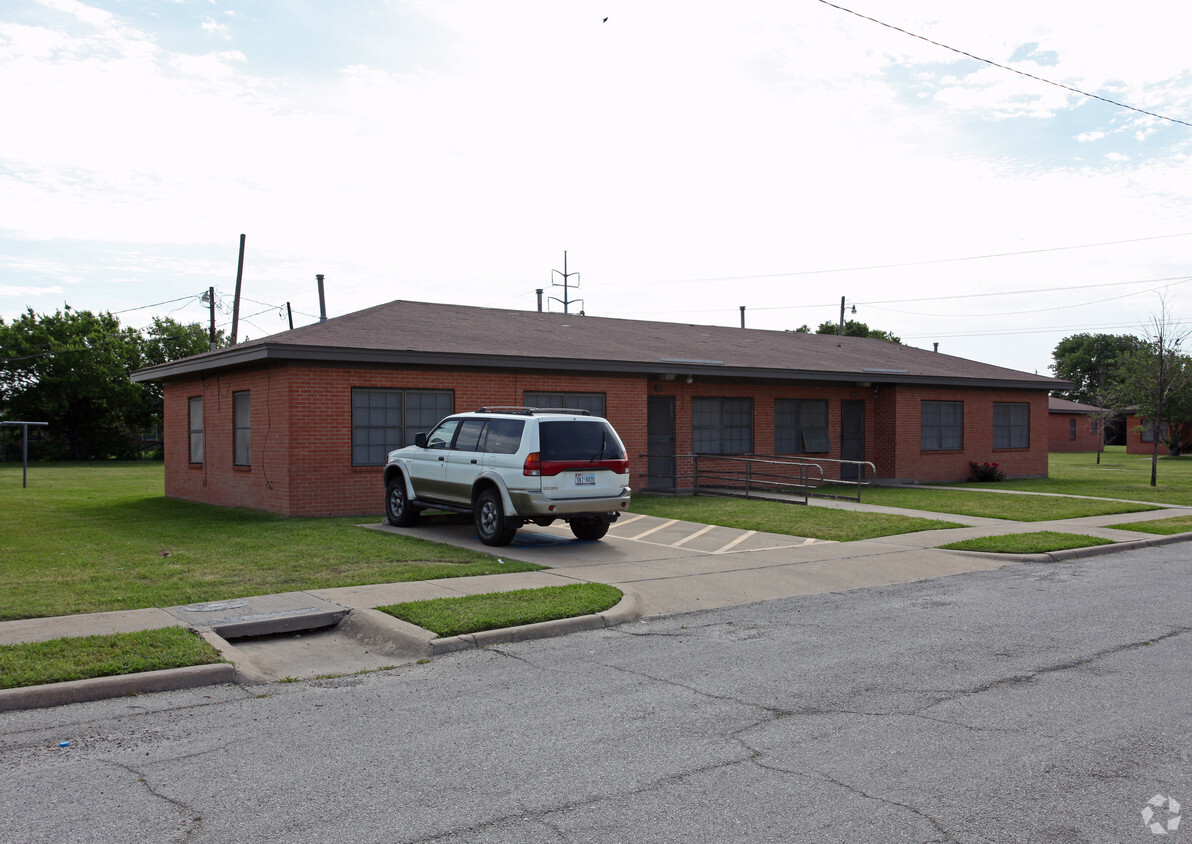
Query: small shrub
[(986, 471)]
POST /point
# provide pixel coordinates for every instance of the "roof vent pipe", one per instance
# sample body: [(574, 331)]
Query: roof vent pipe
[(539, 292), (936, 345), (322, 299), (742, 316)]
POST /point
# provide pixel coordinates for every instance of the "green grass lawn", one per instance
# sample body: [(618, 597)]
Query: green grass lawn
[(1161, 527), (1038, 542), (963, 501), (777, 517), (90, 537), (84, 657), (496, 610), (1119, 475)]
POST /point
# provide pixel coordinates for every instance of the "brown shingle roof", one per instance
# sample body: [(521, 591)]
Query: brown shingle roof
[(1055, 405), (422, 333)]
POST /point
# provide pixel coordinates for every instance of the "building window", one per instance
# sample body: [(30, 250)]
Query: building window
[(383, 420), (942, 425), (1148, 430), (722, 426), (1011, 425), (801, 426), (591, 402), (195, 408), (1072, 429), (1094, 426), (241, 428)]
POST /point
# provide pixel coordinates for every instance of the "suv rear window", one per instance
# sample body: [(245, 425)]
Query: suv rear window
[(504, 436), (581, 439)]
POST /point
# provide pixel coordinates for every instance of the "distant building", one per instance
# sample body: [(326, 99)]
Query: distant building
[(300, 422), (1072, 427)]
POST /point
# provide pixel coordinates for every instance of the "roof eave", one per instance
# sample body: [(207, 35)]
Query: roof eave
[(263, 352)]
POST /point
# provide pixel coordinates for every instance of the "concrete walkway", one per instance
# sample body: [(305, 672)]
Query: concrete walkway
[(663, 566)]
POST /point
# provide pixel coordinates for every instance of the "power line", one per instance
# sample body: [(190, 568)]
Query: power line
[(1011, 69), (879, 302), (903, 264)]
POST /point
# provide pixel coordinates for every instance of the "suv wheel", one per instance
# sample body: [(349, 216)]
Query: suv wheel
[(491, 524), (591, 528), (398, 511)]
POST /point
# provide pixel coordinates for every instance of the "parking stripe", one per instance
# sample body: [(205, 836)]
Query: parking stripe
[(692, 536), (654, 529), (735, 542)]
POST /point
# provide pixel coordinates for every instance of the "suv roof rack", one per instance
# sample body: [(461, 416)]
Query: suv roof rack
[(530, 411)]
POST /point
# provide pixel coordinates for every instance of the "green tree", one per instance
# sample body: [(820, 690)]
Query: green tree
[(166, 340), (1157, 380), (1089, 362), (852, 328), (71, 369)]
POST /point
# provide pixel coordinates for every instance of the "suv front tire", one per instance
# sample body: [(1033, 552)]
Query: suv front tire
[(491, 525), (398, 511)]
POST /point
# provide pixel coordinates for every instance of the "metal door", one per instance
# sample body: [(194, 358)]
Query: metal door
[(660, 443), (852, 438)]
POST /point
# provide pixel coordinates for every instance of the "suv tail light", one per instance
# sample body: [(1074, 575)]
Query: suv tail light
[(533, 465)]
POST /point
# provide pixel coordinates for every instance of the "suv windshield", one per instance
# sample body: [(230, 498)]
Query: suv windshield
[(578, 439)]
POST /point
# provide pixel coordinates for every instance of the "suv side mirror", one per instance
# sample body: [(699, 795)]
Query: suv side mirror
[(420, 440)]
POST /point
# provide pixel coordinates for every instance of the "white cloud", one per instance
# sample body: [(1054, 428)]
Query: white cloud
[(673, 142), (216, 28)]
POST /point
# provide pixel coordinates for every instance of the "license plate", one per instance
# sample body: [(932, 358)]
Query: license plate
[(585, 479)]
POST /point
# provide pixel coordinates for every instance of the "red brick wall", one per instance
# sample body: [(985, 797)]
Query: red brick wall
[(301, 428), (264, 485), (1134, 441), (1059, 431), (900, 421)]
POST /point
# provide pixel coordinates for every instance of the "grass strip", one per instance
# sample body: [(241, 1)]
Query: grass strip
[(93, 537), (84, 657), (991, 504), (776, 517), (1162, 527), (495, 610), (1038, 542)]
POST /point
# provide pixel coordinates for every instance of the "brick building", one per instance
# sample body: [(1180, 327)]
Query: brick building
[(1071, 427), (300, 422)]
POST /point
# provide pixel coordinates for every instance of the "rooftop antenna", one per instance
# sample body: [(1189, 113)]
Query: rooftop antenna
[(565, 301)]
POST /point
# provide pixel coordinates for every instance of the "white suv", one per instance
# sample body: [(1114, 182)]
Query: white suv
[(508, 466)]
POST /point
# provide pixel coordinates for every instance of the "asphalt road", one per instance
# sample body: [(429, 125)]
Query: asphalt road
[(1041, 702)]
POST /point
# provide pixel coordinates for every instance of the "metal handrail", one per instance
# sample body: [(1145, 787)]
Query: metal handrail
[(757, 473)]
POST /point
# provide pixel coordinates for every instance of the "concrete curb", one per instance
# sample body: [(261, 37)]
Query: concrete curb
[(101, 688), (380, 630)]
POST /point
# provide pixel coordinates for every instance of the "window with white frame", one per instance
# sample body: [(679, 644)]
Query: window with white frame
[(242, 428), (195, 416)]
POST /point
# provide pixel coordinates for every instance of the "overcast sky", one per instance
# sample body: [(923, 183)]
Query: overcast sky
[(690, 157)]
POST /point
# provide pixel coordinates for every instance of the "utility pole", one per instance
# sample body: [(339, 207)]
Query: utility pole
[(236, 297), (840, 328), (565, 301), (211, 302)]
